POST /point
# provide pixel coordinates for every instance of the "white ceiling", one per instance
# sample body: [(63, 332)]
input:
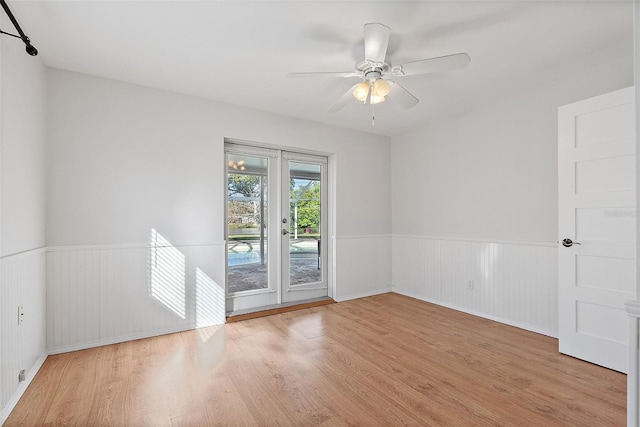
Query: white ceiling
[(240, 52)]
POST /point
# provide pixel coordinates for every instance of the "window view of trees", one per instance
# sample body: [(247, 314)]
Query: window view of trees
[(244, 204), (305, 206), (245, 185), (247, 220)]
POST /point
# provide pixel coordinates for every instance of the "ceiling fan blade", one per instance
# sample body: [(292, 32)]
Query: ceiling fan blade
[(432, 65), (343, 100), (376, 40), (325, 74), (401, 96)]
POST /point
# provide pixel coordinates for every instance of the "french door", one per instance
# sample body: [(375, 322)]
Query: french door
[(276, 227)]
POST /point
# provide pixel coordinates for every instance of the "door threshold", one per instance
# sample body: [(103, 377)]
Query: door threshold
[(239, 315)]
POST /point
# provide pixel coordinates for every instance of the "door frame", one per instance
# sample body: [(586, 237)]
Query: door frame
[(258, 148)]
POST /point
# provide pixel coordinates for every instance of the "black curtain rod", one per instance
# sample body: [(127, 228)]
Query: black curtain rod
[(31, 50)]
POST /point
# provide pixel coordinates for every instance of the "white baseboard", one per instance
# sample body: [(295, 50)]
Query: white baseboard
[(530, 328), (364, 294), (21, 389), (119, 339)]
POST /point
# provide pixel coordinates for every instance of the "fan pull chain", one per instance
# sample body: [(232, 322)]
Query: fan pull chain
[(373, 106), (373, 114)]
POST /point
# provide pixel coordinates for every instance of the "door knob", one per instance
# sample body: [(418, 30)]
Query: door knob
[(285, 232), (567, 243)]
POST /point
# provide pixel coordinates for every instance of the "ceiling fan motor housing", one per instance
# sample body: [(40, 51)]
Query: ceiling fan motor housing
[(372, 71)]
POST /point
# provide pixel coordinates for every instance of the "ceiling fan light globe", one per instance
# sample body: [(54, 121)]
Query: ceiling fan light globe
[(361, 92), (377, 99), (381, 88)]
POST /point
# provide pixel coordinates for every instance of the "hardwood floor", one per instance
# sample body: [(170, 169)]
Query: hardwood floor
[(383, 360)]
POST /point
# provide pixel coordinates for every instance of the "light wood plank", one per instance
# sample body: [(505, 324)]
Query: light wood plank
[(382, 360)]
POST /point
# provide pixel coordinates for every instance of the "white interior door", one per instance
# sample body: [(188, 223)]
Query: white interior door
[(596, 208)]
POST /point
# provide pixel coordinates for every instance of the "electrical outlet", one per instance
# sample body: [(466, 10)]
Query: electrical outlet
[(470, 285), (20, 314)]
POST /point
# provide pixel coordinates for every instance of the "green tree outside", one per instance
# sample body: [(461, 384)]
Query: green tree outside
[(308, 197)]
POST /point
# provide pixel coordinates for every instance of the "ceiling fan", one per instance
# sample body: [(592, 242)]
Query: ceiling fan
[(375, 87)]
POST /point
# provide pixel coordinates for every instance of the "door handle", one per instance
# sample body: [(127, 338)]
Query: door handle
[(567, 243), (285, 232)]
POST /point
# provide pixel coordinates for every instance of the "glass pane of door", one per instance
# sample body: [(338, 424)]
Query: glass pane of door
[(247, 223), (305, 208)]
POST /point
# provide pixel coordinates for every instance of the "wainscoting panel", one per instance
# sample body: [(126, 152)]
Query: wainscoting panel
[(23, 346), (511, 282), (102, 295), (363, 266)]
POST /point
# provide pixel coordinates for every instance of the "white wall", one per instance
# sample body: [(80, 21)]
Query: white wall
[(125, 159), (489, 176), (23, 150), (22, 218)]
